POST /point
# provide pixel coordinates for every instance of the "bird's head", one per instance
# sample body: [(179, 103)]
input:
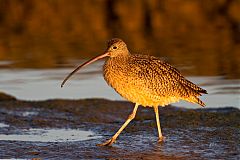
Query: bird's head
[(116, 47)]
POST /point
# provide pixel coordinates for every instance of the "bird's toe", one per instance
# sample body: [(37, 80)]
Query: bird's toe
[(107, 143), (161, 139)]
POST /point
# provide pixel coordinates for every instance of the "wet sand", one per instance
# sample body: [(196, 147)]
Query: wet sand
[(201, 133)]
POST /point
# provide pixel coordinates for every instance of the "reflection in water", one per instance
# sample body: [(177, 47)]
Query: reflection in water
[(2, 125), (204, 34), (49, 135), (30, 84)]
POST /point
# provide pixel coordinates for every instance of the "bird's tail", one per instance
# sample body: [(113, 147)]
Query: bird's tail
[(194, 99)]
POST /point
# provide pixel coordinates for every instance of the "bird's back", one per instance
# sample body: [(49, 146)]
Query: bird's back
[(149, 81)]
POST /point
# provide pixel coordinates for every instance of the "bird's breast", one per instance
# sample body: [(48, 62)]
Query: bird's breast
[(114, 74), (136, 80), (126, 79)]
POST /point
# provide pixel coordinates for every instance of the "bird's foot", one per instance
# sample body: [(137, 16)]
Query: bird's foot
[(107, 143), (161, 139)]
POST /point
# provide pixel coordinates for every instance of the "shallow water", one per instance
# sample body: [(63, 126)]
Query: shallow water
[(190, 134), (71, 129), (42, 84), (47, 135), (3, 125)]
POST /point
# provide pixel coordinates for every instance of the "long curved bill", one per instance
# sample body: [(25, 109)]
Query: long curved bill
[(85, 64)]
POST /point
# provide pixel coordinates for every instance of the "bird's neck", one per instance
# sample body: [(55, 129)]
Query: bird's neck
[(118, 61), (121, 57)]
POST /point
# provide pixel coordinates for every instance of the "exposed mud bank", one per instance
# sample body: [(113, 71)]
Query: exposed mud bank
[(190, 133)]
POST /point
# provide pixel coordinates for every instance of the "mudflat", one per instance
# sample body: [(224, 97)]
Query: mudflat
[(70, 129)]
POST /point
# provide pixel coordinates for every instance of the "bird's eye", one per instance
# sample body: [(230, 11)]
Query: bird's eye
[(114, 47)]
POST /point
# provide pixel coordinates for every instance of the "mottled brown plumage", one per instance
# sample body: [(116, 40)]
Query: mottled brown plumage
[(149, 81), (144, 80)]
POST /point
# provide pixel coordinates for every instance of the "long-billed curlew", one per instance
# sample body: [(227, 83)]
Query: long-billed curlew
[(144, 80)]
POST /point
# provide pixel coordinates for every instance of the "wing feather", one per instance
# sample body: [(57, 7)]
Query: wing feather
[(163, 79)]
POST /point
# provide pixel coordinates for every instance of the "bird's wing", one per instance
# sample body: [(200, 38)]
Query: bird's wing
[(174, 73), (160, 78)]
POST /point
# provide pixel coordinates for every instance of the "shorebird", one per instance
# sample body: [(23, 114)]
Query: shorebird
[(144, 80)]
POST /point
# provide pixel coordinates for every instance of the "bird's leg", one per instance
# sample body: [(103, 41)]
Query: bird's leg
[(113, 139), (160, 136)]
